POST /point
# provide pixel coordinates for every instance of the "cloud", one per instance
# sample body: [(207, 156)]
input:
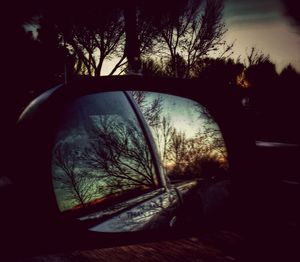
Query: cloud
[(276, 39), (255, 11)]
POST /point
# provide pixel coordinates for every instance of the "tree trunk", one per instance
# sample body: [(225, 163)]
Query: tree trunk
[(132, 46)]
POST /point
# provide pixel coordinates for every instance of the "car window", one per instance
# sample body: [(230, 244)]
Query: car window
[(100, 154), (188, 139)]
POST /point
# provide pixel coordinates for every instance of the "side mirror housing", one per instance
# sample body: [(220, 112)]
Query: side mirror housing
[(100, 165)]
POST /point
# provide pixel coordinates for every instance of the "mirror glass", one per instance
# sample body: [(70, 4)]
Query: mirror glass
[(105, 169), (100, 155), (187, 137)]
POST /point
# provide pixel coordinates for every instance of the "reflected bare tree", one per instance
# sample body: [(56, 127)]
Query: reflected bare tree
[(151, 110), (178, 149), (78, 186), (163, 134), (113, 159), (200, 155), (119, 151)]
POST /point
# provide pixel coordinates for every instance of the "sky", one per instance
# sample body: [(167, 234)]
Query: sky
[(263, 24), (182, 113)]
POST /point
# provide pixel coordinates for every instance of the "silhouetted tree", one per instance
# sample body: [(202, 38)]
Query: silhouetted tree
[(263, 79), (289, 85), (92, 36), (36, 64), (273, 96), (222, 70), (187, 29), (152, 67), (288, 92), (256, 57), (176, 64), (289, 73), (190, 29)]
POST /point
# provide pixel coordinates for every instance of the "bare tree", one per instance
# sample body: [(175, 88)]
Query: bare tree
[(92, 34), (94, 43), (212, 144), (139, 97), (151, 109), (195, 156), (187, 29), (182, 155), (163, 135), (255, 57), (210, 137), (205, 34), (178, 148), (153, 67), (160, 125), (191, 30)]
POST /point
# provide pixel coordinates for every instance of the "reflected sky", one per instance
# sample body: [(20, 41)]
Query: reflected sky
[(183, 115), (186, 133)]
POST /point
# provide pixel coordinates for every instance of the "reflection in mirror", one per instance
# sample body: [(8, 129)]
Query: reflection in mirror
[(100, 155), (156, 212), (188, 139)]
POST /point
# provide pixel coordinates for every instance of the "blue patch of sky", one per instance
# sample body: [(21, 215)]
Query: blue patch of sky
[(263, 24), (256, 11)]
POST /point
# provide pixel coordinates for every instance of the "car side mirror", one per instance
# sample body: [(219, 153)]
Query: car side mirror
[(111, 161)]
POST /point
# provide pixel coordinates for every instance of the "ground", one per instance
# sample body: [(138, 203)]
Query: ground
[(221, 246)]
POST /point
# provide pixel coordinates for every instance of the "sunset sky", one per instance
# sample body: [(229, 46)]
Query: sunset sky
[(263, 24)]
